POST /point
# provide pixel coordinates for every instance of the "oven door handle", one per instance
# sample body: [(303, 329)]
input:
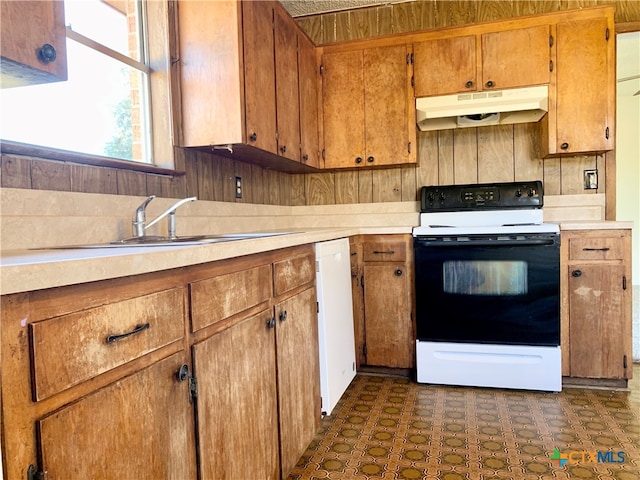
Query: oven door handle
[(485, 243)]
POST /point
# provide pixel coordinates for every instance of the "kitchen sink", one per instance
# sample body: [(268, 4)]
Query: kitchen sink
[(160, 241)]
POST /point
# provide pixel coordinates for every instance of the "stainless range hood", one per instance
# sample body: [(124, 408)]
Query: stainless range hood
[(475, 109)]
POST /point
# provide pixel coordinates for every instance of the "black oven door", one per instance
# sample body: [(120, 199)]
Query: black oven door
[(498, 289)]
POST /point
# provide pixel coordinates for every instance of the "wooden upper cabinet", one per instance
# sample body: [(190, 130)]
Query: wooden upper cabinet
[(32, 43), (583, 103), (516, 58), (368, 108), (343, 108), (308, 91), (287, 93), (445, 66), (259, 75), (449, 65)]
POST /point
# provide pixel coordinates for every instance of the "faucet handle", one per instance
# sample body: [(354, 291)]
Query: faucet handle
[(139, 218)]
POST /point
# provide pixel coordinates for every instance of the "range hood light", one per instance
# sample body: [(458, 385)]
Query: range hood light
[(501, 107)]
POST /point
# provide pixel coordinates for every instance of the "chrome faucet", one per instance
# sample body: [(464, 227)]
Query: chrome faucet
[(139, 219)]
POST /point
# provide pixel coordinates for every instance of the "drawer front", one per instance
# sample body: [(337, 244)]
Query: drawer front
[(293, 272), (217, 298), (70, 349), (596, 248), (385, 250)]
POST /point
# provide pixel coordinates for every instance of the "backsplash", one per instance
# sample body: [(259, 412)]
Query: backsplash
[(38, 218)]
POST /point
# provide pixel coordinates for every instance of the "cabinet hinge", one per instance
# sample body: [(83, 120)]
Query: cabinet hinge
[(606, 133), (321, 69), (606, 35), (193, 387), (413, 81), (550, 41), (624, 361), (551, 65), (34, 474), (409, 147), (323, 154), (624, 282)]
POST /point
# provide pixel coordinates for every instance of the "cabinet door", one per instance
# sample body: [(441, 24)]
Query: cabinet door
[(343, 109), (584, 91), (445, 66), (138, 427), (259, 75), (24, 29), (287, 95), (505, 66), (237, 412), (308, 85), (298, 376), (597, 313), (387, 303), (389, 106)]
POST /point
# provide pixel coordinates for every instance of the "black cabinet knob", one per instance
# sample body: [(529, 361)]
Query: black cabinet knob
[(358, 159), (253, 137), (564, 146), (576, 273), (271, 323), (283, 316), (183, 373), (305, 158), (469, 84), (370, 159), (283, 149), (47, 53), (398, 273), (490, 84)]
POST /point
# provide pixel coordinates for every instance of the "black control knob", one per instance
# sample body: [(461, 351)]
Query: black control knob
[(518, 193), (531, 192), (431, 197), (442, 196)]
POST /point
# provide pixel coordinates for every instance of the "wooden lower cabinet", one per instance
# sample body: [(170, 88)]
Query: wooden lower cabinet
[(596, 304), (237, 408), (386, 335), (139, 424), (111, 380)]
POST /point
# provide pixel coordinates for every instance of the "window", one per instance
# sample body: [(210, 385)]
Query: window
[(105, 108)]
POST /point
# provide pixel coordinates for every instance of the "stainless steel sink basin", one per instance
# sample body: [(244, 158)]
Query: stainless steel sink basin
[(159, 241)]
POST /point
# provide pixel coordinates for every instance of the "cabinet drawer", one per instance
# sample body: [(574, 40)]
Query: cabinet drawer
[(217, 298), (293, 272), (596, 248), (385, 250), (70, 349)]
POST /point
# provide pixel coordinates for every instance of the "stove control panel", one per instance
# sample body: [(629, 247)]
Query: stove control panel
[(488, 196)]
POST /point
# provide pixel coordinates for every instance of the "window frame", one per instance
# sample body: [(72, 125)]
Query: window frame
[(160, 45)]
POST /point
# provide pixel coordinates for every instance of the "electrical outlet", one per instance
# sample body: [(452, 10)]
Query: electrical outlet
[(591, 179), (238, 187)]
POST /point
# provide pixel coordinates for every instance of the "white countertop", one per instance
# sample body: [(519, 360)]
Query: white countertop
[(27, 270)]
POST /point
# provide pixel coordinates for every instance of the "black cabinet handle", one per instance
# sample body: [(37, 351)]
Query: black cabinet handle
[(183, 373), (135, 331), (564, 146), (589, 249), (271, 323), (398, 273), (576, 273), (469, 84), (370, 159), (253, 137), (283, 316), (47, 53), (358, 159), (490, 84)]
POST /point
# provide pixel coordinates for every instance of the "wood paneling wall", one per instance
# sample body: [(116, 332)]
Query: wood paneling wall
[(500, 153)]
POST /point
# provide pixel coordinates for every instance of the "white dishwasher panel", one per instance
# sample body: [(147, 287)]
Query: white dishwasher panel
[(335, 320)]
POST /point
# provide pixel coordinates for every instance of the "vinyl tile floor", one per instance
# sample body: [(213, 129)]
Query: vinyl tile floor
[(391, 428)]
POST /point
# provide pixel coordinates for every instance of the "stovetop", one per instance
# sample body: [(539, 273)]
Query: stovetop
[(509, 208)]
